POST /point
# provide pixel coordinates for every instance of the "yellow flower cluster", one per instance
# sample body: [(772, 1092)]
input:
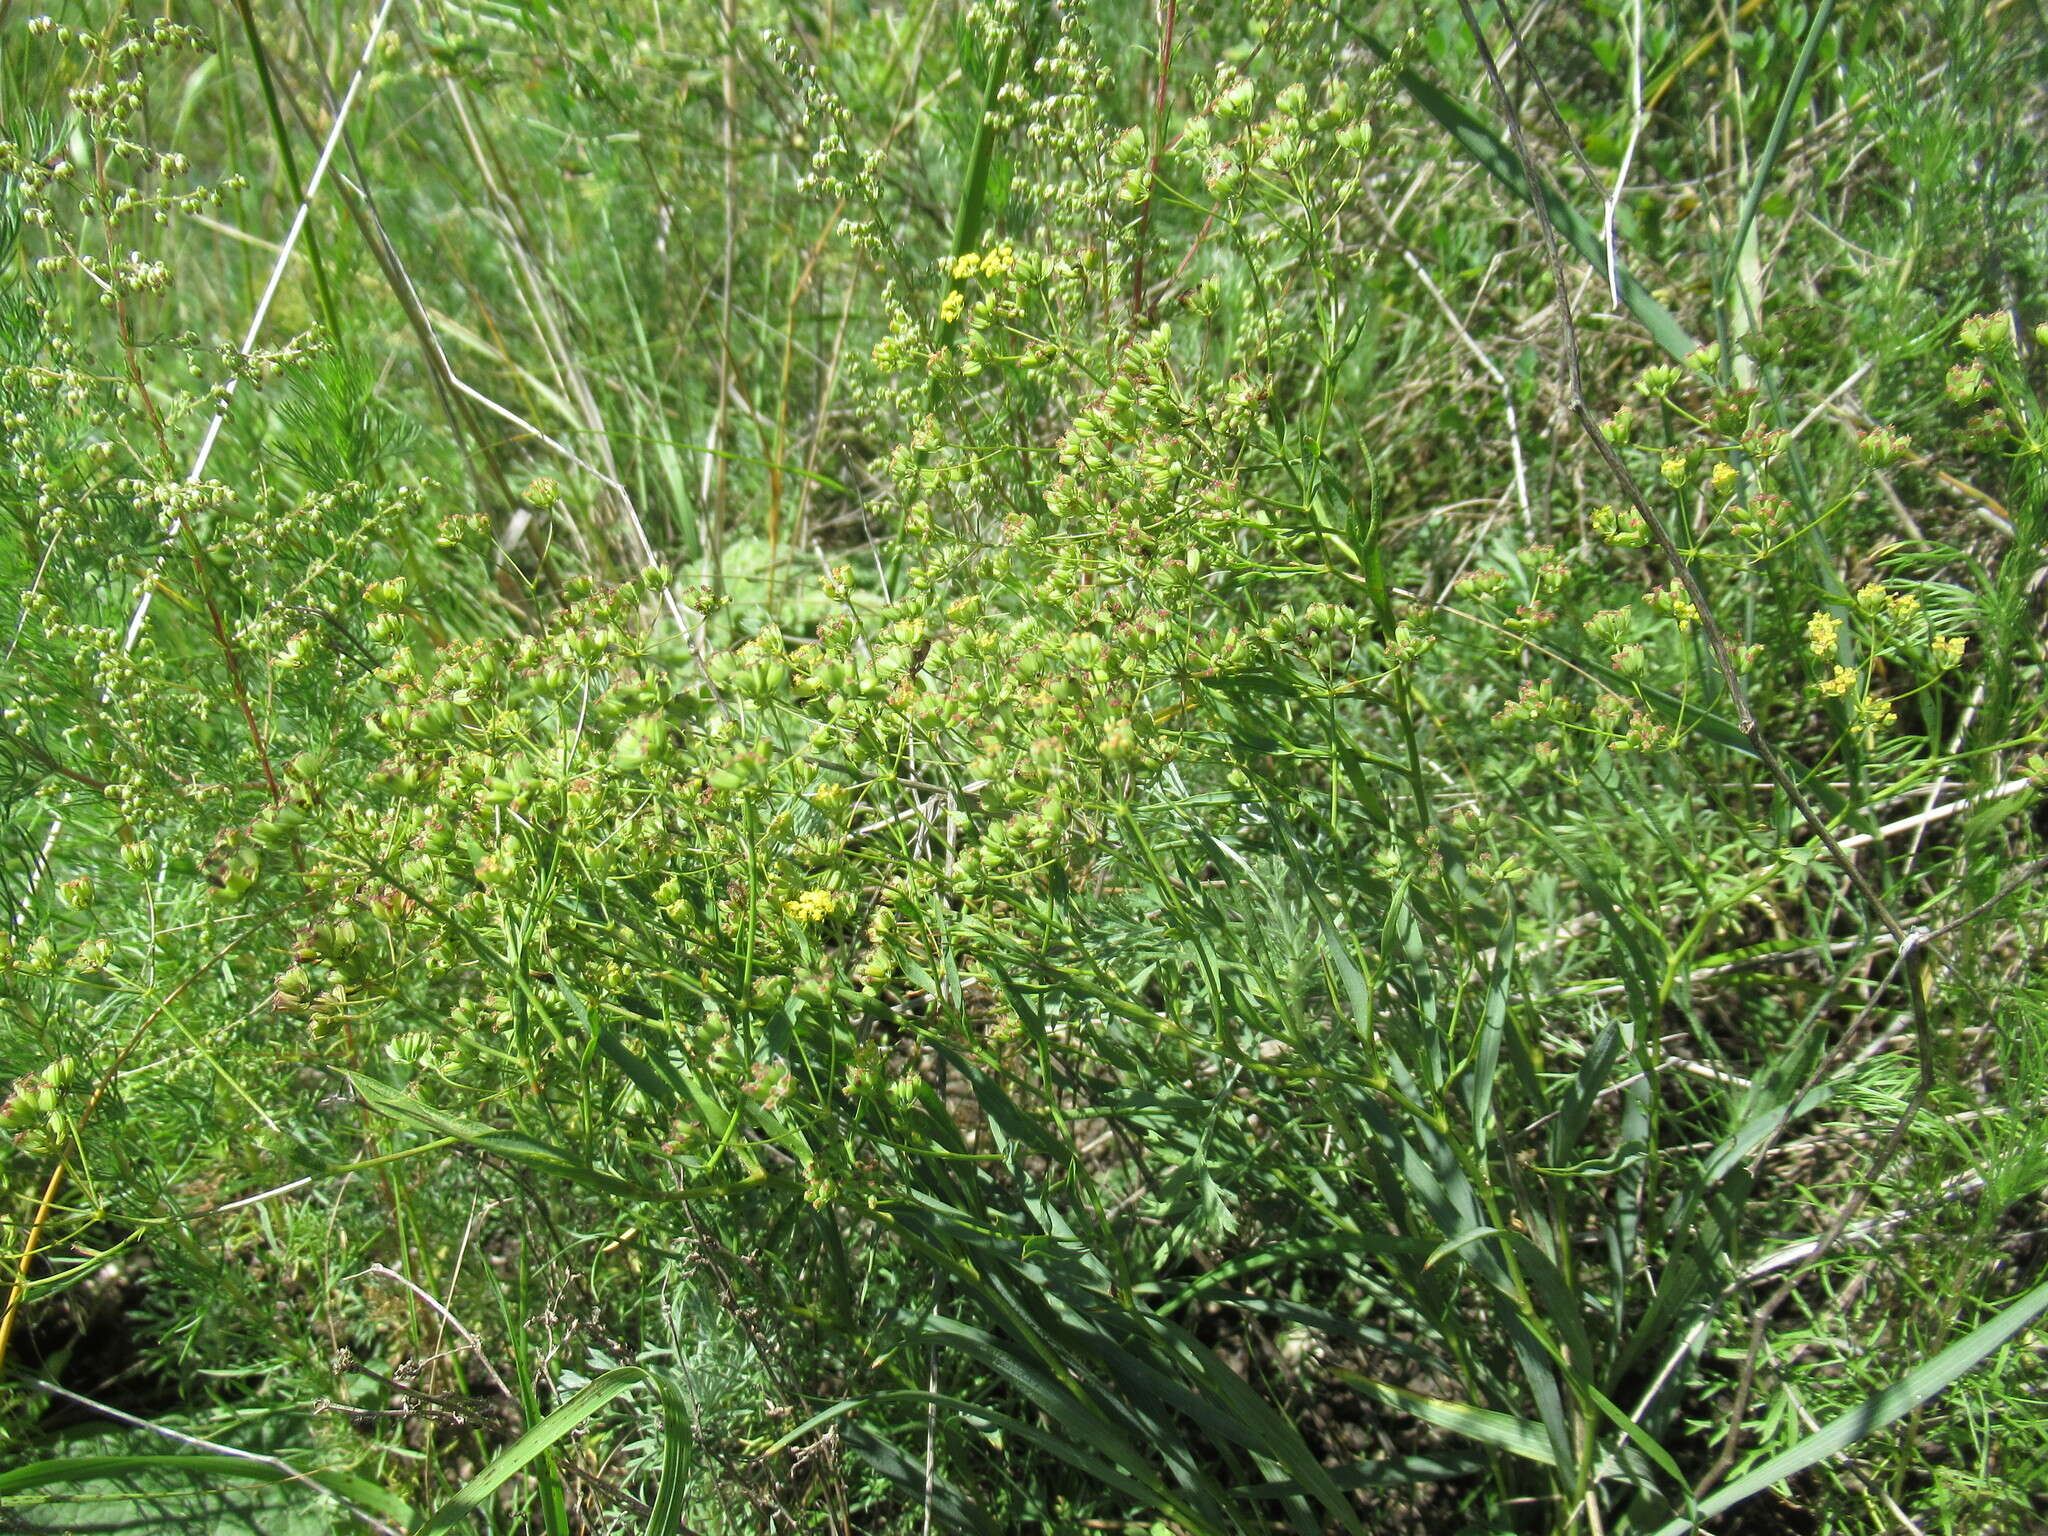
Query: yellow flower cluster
[(1873, 715), (1872, 598), (1822, 631), (812, 906), (989, 265)]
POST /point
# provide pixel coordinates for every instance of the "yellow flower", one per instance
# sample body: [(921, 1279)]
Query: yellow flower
[(1948, 650), (1675, 601), (966, 266), (1723, 476), (951, 306), (812, 906), (1873, 714), (1838, 683), (1822, 631)]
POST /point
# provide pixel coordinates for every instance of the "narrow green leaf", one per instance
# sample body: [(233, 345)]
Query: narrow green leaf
[(947, 1504), (1493, 1026), (1639, 1436), (1451, 1246), (86, 1469), (1802, 71), (240, 1471), (1918, 1386), (515, 1146), (1502, 1431), (511, 1145), (1500, 162), (1395, 1472), (516, 1456)]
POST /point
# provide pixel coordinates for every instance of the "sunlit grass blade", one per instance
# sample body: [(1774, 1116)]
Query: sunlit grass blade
[(1917, 1387), (1487, 151), (565, 1420), (366, 1499), (1502, 1431)]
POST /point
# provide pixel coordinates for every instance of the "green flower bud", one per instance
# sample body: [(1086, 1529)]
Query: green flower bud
[(1657, 381), (1988, 333), (1610, 626), (1234, 103), (641, 741), (1623, 527), (1881, 447), (1966, 381)]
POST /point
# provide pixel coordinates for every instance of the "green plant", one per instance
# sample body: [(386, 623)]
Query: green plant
[(1095, 816)]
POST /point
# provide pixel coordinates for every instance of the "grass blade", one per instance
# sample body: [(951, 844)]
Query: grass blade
[(1502, 1431), (1921, 1384), (510, 1461), (1499, 162), (372, 1504)]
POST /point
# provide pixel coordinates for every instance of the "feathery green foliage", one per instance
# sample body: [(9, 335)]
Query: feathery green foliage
[(1023, 765)]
